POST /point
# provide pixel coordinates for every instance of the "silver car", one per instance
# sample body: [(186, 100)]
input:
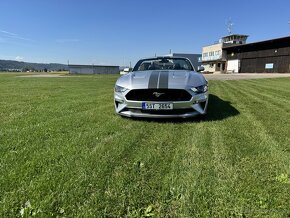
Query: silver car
[(162, 87)]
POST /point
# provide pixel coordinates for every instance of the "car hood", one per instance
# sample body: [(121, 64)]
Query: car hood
[(172, 79)]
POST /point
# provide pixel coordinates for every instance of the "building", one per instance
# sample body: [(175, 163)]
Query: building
[(214, 58), (195, 59), (93, 69), (270, 56)]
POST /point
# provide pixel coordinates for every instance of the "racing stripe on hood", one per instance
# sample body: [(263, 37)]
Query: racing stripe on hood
[(153, 80), (163, 80)]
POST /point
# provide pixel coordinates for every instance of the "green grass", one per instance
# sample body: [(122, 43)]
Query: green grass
[(65, 153)]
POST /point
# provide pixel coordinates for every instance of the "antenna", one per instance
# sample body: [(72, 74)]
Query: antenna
[(230, 25)]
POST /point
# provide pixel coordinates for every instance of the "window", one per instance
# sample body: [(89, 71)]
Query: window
[(217, 53)]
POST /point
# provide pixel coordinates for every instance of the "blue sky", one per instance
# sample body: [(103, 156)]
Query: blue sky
[(120, 31)]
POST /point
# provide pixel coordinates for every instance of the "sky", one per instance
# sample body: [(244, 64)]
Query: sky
[(117, 32)]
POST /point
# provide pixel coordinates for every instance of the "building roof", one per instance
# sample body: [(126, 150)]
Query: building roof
[(283, 41), (240, 35)]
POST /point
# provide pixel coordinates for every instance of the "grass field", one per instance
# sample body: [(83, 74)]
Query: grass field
[(65, 153)]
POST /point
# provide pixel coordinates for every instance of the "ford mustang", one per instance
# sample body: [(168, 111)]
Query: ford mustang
[(162, 87)]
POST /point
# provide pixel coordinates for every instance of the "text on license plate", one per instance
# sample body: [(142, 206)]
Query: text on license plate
[(157, 106)]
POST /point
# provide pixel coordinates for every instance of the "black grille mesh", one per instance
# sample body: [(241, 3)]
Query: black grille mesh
[(158, 95)]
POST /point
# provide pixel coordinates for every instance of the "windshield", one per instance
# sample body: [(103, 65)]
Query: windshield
[(163, 63)]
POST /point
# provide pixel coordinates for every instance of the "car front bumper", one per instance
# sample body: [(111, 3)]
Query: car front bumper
[(197, 105)]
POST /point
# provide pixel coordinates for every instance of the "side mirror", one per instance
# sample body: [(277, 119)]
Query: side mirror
[(126, 70), (200, 68)]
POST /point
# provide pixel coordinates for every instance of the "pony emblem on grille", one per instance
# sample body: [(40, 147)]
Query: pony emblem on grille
[(157, 94)]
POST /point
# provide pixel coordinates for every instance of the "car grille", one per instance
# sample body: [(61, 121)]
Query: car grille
[(158, 95)]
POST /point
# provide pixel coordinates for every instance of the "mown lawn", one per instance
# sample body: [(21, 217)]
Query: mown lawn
[(65, 153)]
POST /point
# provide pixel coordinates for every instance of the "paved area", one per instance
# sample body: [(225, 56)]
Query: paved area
[(238, 76)]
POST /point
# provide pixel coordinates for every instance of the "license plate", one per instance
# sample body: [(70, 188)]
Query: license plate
[(157, 106)]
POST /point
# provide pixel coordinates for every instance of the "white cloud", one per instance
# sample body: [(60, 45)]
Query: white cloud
[(8, 33), (19, 58), (12, 35)]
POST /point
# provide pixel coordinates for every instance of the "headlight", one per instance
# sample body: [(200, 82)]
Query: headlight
[(120, 89), (200, 89)]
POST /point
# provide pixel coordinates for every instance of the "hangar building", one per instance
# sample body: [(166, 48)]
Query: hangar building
[(270, 56), (93, 69)]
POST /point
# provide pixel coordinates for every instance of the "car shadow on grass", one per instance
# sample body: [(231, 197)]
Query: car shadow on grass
[(217, 109)]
